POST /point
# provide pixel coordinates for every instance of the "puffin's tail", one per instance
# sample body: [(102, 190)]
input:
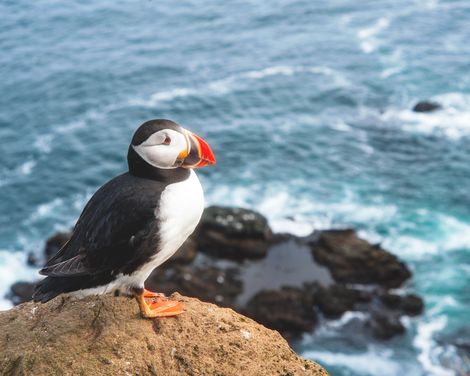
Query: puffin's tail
[(48, 289)]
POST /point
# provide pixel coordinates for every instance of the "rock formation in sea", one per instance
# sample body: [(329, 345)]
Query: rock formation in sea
[(288, 283), (105, 335), (426, 106)]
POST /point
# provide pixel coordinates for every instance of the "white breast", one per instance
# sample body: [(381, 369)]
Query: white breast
[(181, 207)]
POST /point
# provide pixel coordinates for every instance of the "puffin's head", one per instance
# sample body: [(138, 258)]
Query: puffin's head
[(163, 144)]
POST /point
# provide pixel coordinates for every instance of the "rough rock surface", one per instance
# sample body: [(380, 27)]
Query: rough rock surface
[(288, 310), (354, 260), (410, 304), (385, 326), (426, 106), (106, 336), (233, 233), (207, 283), (336, 299), (53, 244)]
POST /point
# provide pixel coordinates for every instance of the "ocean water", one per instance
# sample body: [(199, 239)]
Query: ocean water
[(307, 107)]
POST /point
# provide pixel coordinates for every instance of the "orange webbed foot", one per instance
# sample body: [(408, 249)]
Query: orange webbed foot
[(160, 306), (150, 294), (165, 308)]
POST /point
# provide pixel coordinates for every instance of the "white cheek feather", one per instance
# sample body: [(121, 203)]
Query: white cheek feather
[(160, 155), (181, 207)]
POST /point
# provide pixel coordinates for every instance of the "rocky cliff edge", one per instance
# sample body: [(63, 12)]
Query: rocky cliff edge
[(106, 336)]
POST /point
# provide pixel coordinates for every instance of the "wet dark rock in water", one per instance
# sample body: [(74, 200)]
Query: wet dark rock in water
[(283, 281), (391, 300), (384, 325), (21, 292), (288, 310), (412, 305), (33, 260), (53, 244), (351, 259), (426, 106), (56, 242), (333, 301), (208, 283), (233, 233), (409, 304)]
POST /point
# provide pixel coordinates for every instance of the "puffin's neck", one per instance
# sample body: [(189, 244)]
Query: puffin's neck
[(139, 167)]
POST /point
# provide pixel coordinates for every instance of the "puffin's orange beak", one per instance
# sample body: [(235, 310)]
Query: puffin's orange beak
[(206, 156), (200, 153)]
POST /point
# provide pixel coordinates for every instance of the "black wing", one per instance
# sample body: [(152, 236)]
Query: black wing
[(110, 229)]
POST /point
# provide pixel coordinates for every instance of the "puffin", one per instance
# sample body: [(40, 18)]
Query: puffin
[(134, 222)]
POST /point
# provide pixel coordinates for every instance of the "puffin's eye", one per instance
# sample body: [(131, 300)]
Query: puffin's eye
[(167, 141)]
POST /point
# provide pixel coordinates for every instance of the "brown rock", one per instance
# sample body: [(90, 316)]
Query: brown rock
[(208, 283), (21, 292), (334, 300), (233, 233), (391, 300), (55, 242), (385, 326), (289, 310), (106, 336), (426, 106), (410, 304), (354, 260)]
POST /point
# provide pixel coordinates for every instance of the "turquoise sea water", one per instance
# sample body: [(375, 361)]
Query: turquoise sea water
[(307, 106)]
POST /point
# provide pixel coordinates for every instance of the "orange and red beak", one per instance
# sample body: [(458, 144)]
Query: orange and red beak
[(200, 154)]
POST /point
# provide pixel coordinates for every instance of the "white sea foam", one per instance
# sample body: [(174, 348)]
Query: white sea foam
[(368, 32), (71, 127), (394, 62), (371, 362), (452, 121), (341, 126), (272, 71), (12, 268), (43, 143), (427, 348), (299, 214), (367, 36), (449, 234), (27, 167), (45, 209), (230, 83), (162, 96), (345, 319), (441, 303), (24, 169)]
